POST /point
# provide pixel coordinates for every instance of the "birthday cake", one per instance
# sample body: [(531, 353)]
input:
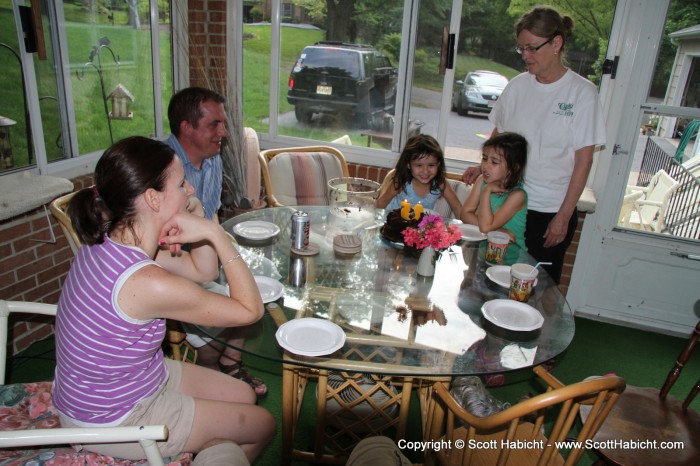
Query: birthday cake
[(397, 223)]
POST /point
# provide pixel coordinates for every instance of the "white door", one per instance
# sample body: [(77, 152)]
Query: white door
[(630, 268)]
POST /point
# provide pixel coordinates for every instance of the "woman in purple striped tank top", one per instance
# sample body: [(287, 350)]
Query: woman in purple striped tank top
[(127, 278)]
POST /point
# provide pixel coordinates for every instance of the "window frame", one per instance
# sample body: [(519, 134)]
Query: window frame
[(76, 164)]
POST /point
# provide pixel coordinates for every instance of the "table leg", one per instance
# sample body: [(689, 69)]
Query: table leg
[(289, 403)]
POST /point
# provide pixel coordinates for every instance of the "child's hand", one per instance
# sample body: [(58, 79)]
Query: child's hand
[(471, 174)]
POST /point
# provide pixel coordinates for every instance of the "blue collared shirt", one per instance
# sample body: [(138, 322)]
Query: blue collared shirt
[(207, 181)]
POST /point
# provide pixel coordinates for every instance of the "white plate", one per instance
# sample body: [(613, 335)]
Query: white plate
[(270, 289), (499, 274), (470, 232), (256, 230), (310, 336), (512, 315)]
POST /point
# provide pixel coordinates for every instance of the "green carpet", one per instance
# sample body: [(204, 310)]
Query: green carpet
[(641, 358)]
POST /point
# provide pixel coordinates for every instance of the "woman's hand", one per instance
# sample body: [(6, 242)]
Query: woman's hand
[(556, 230), (183, 228)]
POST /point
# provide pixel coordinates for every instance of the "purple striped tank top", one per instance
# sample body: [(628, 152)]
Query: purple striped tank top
[(106, 362)]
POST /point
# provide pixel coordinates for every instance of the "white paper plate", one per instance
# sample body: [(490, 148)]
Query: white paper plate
[(470, 232), (512, 315), (270, 289), (256, 230), (499, 274), (310, 336)]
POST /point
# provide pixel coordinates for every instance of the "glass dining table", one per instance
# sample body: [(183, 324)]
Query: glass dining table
[(369, 330)]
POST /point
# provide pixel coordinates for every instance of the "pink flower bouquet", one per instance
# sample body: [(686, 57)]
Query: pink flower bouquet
[(432, 231)]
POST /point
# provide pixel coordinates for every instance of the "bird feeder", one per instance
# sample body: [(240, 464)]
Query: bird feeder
[(120, 98), (6, 159)]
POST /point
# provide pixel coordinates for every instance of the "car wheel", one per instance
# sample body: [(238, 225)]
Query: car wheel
[(303, 115), (461, 111)]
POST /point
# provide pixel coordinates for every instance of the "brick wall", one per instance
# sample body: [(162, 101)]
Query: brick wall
[(207, 40), (32, 268)]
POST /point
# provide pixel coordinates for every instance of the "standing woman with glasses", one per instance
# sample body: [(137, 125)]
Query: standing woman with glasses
[(559, 114)]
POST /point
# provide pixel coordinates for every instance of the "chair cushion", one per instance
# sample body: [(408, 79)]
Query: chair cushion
[(301, 178), (461, 190), (30, 406)]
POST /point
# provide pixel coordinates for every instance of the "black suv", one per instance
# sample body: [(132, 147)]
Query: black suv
[(335, 77)]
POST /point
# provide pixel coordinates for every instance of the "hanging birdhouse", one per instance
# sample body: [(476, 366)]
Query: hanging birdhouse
[(120, 98)]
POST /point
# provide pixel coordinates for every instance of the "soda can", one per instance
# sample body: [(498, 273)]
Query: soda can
[(299, 232), (297, 271)]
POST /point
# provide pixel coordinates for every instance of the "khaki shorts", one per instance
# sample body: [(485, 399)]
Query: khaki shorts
[(166, 406)]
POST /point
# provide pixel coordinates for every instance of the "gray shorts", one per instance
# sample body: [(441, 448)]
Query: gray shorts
[(167, 406)]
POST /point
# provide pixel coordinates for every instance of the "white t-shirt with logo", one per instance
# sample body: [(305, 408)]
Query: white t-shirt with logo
[(557, 119)]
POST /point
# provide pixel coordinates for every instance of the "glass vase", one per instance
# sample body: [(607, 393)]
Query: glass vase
[(426, 262)]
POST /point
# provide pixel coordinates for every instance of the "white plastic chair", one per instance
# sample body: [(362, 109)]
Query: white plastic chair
[(344, 139), (650, 210), (628, 206), (145, 435)]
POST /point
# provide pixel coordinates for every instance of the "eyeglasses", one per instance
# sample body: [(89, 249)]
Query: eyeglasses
[(530, 49)]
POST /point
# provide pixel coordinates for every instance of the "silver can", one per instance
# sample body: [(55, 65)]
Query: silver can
[(299, 232), (297, 271)]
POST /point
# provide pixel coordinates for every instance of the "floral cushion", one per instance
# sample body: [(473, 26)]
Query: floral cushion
[(29, 406)]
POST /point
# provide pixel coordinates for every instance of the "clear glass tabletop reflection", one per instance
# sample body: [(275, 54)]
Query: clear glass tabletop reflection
[(396, 322)]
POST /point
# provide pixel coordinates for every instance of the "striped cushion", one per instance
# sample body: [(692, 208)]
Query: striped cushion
[(461, 190), (301, 178)]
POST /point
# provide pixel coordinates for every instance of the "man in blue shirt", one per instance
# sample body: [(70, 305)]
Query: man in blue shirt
[(198, 126)]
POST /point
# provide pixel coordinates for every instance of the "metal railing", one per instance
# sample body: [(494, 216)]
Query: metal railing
[(683, 214)]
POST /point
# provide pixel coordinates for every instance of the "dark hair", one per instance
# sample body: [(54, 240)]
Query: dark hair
[(185, 106), (419, 147), (546, 22), (513, 148), (124, 172)]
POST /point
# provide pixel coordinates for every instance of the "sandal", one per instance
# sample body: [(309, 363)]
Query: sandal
[(237, 371)]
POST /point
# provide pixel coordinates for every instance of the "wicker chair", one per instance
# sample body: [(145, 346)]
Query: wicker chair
[(300, 175), (521, 435)]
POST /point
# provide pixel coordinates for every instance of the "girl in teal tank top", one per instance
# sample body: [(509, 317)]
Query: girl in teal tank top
[(500, 203)]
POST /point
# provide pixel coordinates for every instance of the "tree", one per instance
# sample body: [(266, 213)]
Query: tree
[(340, 20), (134, 20)]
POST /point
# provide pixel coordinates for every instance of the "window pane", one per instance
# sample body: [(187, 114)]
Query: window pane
[(663, 191), (256, 71), (15, 139), (109, 51), (338, 88), (487, 43)]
